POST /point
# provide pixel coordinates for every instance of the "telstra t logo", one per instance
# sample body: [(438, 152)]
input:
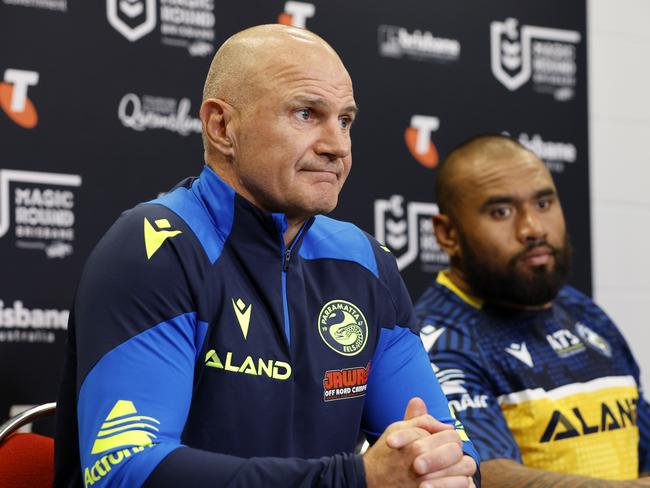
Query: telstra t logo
[(296, 14), (418, 139), (13, 97)]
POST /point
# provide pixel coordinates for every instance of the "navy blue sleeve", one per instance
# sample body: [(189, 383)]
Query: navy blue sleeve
[(139, 337), (457, 361), (400, 370)]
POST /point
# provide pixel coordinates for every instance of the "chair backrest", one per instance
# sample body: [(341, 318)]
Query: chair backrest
[(26, 460)]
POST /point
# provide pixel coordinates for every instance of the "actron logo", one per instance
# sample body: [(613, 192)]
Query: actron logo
[(418, 139), (13, 97), (296, 14)]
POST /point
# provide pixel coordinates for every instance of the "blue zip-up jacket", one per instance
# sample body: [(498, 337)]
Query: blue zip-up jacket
[(202, 351)]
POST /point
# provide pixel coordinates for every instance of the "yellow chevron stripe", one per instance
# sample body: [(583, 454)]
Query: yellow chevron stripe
[(104, 433), (130, 438), (107, 425)]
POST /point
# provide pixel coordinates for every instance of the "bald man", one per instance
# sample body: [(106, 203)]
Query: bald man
[(228, 334), (541, 378)]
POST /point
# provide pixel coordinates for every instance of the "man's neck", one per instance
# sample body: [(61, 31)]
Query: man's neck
[(293, 227)]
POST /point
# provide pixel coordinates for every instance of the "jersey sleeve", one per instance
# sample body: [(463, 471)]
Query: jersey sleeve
[(464, 378), (400, 370), (138, 337)]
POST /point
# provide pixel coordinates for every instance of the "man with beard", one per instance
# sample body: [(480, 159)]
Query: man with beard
[(542, 379)]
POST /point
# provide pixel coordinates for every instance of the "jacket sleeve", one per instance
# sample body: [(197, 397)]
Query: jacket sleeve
[(138, 339), (400, 370)]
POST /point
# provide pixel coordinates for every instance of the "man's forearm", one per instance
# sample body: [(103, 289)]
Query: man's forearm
[(505, 473)]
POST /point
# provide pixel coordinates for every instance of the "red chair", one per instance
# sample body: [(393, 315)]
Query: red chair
[(26, 460)]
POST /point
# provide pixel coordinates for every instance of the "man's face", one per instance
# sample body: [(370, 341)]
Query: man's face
[(292, 148), (514, 248)]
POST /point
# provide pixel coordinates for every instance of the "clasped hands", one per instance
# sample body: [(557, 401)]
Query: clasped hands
[(418, 451)]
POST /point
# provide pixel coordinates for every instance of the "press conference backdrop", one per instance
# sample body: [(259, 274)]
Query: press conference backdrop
[(100, 106)]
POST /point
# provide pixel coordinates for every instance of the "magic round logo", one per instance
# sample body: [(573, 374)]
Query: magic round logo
[(343, 327)]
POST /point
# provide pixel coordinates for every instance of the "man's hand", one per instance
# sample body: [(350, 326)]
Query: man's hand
[(418, 452)]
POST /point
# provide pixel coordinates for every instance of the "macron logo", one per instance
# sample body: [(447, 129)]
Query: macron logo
[(418, 139), (520, 351), (243, 314)]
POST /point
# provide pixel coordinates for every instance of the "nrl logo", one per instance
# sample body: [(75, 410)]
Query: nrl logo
[(132, 18), (407, 230), (512, 49)]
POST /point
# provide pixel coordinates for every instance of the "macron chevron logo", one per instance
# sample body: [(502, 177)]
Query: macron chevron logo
[(520, 351), (243, 314), (124, 427)]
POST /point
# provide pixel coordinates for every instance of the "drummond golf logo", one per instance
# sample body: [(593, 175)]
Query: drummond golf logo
[(343, 327), (546, 54)]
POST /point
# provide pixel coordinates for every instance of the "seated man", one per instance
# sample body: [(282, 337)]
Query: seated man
[(226, 334), (541, 378)]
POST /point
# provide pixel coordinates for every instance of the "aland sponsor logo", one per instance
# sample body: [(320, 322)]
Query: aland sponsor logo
[(188, 24), (343, 327), (42, 205), (149, 112), (340, 384), (297, 13), (406, 229), (19, 324), (547, 55), (270, 368), (13, 97), (123, 434), (399, 42), (555, 154)]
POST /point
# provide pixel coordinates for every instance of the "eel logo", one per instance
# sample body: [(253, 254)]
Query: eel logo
[(153, 238), (343, 327), (594, 340)]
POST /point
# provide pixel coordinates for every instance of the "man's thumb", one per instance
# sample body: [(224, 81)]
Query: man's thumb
[(415, 408)]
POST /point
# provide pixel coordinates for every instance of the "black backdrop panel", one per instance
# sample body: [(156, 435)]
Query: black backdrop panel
[(100, 108)]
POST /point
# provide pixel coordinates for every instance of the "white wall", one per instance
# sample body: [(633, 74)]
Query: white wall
[(619, 106)]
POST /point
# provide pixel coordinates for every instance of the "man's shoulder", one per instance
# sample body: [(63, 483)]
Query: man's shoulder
[(440, 303), (339, 240)]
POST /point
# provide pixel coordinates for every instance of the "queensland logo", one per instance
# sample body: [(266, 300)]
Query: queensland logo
[(13, 97), (296, 14), (339, 384), (398, 42), (343, 327), (594, 340), (42, 205), (407, 230), (418, 140), (546, 54), (157, 113)]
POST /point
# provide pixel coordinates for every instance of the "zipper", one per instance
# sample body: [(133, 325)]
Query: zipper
[(286, 260)]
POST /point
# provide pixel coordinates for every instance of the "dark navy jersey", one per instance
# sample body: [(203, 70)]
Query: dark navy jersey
[(203, 352), (556, 389)]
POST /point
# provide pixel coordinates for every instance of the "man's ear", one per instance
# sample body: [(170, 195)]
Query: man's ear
[(446, 235), (216, 115)]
